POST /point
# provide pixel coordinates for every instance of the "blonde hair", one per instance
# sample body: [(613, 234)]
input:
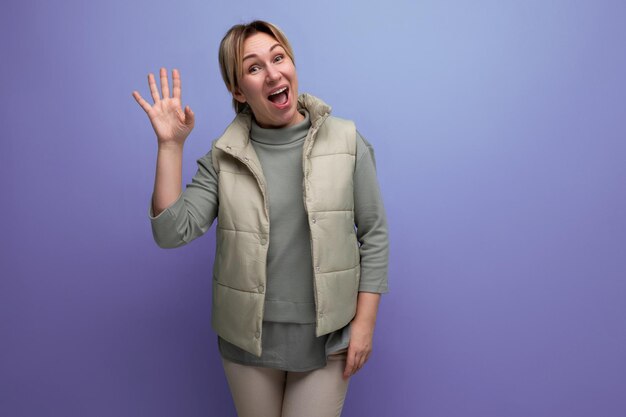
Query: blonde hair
[(231, 53)]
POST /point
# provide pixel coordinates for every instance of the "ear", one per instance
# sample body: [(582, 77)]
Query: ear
[(238, 95)]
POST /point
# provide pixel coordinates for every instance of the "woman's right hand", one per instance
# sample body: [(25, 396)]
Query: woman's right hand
[(170, 123)]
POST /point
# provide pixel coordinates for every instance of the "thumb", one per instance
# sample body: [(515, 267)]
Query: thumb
[(189, 116)]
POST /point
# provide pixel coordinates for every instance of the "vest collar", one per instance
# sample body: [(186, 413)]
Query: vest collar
[(318, 110)]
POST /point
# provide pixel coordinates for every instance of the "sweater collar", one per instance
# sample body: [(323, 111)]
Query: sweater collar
[(282, 136)]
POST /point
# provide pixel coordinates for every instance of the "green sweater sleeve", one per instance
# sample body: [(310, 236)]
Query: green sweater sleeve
[(193, 212), (370, 220)]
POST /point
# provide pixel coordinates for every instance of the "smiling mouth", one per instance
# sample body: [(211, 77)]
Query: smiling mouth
[(280, 96)]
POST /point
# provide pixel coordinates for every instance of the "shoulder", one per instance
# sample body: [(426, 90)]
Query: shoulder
[(364, 149), (338, 130), (338, 124), (362, 145), (236, 133), (207, 159)]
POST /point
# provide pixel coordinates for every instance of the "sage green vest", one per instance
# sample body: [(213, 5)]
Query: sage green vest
[(243, 227)]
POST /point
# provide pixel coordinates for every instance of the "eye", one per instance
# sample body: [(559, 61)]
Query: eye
[(279, 58), (253, 69)]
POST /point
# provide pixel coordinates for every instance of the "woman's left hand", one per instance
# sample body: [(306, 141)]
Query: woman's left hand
[(360, 347)]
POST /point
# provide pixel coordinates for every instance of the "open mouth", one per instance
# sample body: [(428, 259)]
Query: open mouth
[(279, 96)]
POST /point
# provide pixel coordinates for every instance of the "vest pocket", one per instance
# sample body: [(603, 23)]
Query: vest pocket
[(334, 241), (240, 261), (237, 317), (337, 297)]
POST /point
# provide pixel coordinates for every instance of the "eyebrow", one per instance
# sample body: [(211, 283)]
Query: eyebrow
[(255, 55)]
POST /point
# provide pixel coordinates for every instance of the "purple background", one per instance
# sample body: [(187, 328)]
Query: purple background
[(499, 129)]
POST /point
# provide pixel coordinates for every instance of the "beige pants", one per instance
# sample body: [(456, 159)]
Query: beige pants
[(266, 392)]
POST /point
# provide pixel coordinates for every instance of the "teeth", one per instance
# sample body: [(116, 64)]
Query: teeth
[(278, 91)]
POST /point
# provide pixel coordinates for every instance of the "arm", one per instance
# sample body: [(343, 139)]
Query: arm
[(192, 212), (176, 218), (168, 177), (372, 234), (172, 125)]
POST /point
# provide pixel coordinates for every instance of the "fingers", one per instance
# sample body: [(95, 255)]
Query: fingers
[(189, 116), (354, 362), (165, 88), (347, 372), (153, 88), (177, 88), (361, 361), (143, 103), (350, 364)]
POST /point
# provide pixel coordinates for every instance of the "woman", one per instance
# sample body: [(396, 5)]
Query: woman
[(294, 304)]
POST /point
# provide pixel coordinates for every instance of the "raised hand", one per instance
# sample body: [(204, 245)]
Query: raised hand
[(171, 124)]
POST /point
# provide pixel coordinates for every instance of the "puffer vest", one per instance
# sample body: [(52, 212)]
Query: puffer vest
[(243, 227)]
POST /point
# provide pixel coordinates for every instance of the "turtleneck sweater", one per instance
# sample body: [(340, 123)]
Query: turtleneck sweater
[(289, 290)]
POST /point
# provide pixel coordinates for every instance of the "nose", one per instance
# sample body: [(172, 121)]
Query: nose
[(273, 75)]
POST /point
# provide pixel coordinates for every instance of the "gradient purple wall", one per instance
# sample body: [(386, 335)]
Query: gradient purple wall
[(499, 129)]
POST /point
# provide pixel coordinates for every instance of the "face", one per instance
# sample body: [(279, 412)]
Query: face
[(269, 83)]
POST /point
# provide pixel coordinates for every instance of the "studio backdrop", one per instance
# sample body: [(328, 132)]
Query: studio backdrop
[(499, 136)]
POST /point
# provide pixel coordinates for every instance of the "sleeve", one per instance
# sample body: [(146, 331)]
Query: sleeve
[(193, 212), (370, 221)]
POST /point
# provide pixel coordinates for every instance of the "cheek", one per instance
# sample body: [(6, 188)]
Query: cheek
[(254, 91), (247, 86), (294, 76)]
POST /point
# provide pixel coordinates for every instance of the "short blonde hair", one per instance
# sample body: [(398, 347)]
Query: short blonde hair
[(231, 53)]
